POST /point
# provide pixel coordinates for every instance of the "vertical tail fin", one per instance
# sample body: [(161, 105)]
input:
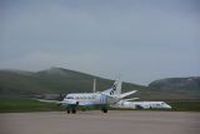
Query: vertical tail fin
[(115, 89)]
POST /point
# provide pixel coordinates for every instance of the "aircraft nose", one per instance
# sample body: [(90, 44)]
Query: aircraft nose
[(168, 106)]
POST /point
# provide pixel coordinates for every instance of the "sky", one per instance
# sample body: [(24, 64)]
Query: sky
[(136, 40)]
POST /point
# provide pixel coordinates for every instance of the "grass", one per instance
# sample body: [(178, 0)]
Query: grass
[(30, 105), (25, 105), (186, 106)]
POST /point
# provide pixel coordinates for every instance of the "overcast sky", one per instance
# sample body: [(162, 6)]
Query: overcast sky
[(138, 40)]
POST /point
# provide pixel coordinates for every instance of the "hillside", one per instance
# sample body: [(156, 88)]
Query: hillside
[(180, 88), (52, 81), (63, 81), (190, 83)]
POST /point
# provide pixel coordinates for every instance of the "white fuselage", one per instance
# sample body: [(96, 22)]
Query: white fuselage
[(88, 99), (142, 105)]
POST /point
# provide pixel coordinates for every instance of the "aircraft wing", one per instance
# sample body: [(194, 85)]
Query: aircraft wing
[(121, 96), (127, 94), (49, 101)]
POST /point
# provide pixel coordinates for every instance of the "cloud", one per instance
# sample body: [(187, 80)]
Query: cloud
[(142, 41)]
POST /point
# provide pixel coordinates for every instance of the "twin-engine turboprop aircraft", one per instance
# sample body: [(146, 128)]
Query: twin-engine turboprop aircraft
[(99, 99), (130, 104)]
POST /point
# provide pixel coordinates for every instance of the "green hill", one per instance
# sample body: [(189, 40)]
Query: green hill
[(190, 83), (52, 81), (177, 88)]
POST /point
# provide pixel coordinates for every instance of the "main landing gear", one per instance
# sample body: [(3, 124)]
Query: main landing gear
[(73, 111)]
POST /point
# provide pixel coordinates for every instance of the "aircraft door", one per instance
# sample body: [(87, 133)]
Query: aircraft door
[(103, 99)]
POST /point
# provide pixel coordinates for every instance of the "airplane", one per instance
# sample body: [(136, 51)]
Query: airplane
[(130, 104), (98, 100)]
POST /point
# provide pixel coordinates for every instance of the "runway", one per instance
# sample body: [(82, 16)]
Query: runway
[(95, 122)]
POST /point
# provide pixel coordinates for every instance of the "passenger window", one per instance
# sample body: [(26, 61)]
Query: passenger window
[(70, 97)]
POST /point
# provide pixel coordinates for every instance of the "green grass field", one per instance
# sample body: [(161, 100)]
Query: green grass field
[(30, 105), (25, 105), (186, 106)]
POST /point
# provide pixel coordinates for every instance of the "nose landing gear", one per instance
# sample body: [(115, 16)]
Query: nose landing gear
[(104, 110)]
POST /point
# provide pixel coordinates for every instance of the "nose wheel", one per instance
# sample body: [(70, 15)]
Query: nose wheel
[(73, 111), (104, 110), (68, 111)]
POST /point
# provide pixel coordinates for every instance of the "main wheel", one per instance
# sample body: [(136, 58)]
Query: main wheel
[(73, 111), (68, 111)]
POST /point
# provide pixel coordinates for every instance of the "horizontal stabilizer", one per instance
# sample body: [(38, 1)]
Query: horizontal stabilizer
[(127, 94), (131, 99)]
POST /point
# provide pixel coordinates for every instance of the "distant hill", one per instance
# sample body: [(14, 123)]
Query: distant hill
[(51, 81), (190, 83), (60, 80), (177, 87)]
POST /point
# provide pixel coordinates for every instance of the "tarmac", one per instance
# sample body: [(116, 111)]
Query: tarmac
[(96, 122)]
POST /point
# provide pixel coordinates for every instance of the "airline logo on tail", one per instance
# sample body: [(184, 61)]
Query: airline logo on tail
[(113, 90), (116, 88)]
